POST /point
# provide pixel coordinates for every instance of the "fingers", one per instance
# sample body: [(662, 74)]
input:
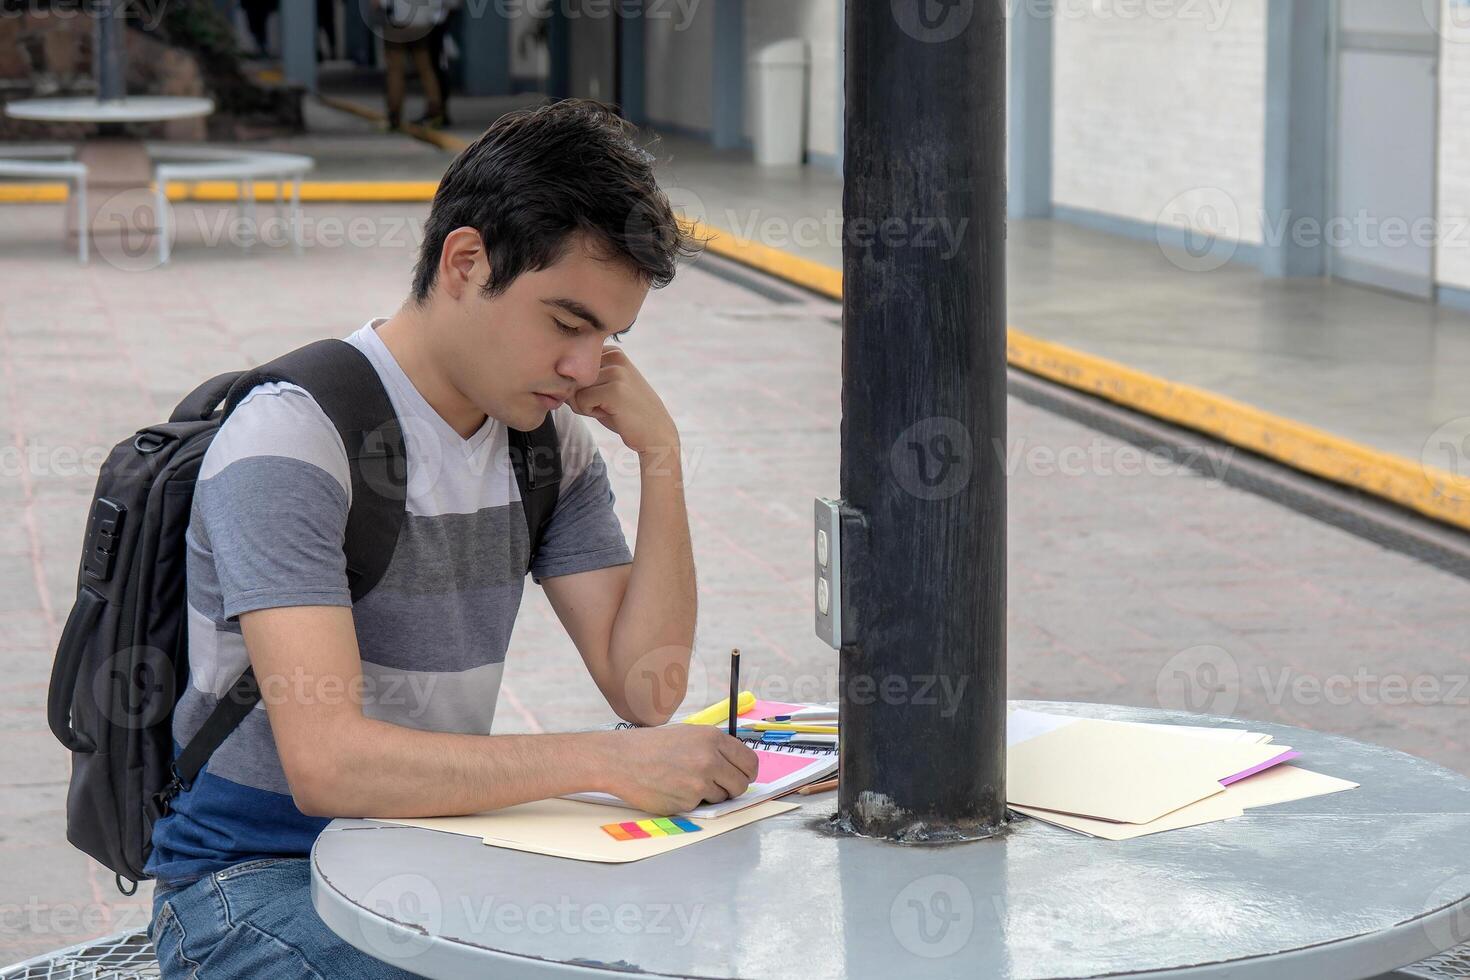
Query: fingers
[(740, 756), (732, 782)]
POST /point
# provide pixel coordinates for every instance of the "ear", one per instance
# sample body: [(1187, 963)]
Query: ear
[(463, 262)]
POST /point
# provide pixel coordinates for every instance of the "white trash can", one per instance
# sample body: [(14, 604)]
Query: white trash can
[(780, 103)]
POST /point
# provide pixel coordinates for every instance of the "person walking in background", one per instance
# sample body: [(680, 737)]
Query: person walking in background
[(406, 27), (445, 27)]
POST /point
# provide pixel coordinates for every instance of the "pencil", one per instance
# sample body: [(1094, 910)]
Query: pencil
[(734, 688), (821, 787)]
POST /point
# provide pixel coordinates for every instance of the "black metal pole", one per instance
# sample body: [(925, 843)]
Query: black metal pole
[(923, 417), (109, 59)]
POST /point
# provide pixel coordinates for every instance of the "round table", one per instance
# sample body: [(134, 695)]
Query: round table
[(119, 202), (133, 109), (1344, 886)]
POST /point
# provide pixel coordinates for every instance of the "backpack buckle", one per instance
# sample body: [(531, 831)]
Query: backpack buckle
[(162, 801)]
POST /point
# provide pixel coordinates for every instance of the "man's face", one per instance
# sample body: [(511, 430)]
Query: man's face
[(522, 353)]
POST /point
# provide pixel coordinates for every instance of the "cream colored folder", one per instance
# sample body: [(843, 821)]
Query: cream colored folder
[(573, 829), (1280, 784), (1123, 773)]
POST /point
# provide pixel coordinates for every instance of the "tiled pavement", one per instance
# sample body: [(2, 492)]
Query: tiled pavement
[(1128, 578)]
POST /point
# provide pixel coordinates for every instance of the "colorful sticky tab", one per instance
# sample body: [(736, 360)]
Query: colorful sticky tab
[(644, 829)]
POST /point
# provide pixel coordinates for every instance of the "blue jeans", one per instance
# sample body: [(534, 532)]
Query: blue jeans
[(253, 920)]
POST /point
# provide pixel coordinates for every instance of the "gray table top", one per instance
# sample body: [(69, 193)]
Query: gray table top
[(1344, 886), (134, 108)]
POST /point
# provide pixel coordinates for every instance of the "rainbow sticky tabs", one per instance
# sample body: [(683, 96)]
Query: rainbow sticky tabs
[(644, 829)]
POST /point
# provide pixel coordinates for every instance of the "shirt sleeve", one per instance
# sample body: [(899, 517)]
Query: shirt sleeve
[(584, 533), (271, 504)]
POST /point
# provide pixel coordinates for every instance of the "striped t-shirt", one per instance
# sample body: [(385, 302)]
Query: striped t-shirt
[(266, 530)]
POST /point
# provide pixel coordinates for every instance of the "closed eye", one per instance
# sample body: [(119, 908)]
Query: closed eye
[(568, 330)]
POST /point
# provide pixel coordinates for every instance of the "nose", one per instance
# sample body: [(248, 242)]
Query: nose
[(581, 365)]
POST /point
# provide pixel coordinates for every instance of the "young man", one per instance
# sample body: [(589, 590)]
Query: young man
[(542, 242)]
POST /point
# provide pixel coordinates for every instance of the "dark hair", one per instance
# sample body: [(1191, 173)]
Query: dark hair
[(537, 176)]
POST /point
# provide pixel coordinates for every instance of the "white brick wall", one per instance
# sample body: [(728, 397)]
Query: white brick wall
[(677, 67), (1453, 260), (815, 22), (1149, 108)]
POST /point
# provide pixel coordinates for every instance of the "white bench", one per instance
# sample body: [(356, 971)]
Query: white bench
[(45, 161), (242, 167)]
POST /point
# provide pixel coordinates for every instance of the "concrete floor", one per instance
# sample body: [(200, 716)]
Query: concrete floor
[(1129, 576), (1389, 372)]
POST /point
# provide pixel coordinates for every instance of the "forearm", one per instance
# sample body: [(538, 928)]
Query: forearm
[(372, 768), (653, 634)]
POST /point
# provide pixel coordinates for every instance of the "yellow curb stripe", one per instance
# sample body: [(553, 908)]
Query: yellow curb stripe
[(340, 191), (33, 193), (1428, 490), (1431, 491), (819, 278), (443, 141)]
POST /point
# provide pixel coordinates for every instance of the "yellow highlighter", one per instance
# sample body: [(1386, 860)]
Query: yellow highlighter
[(719, 712)]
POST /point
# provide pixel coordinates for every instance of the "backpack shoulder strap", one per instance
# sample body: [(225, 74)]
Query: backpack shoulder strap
[(347, 387), (536, 458)]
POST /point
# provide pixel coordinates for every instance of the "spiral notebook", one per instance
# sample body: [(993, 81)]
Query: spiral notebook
[(783, 769)]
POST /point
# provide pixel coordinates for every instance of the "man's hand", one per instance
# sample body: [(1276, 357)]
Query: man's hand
[(677, 767), (622, 399)]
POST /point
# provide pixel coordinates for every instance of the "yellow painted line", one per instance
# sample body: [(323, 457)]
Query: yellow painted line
[(819, 278), (443, 141), (1431, 491), (344, 191), (32, 193)]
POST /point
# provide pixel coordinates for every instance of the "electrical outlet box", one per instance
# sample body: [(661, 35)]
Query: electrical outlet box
[(827, 562)]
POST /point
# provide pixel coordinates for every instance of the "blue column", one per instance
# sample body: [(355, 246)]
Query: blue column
[(1028, 167), (727, 127), (298, 41), (484, 38), (1298, 97), (631, 61)]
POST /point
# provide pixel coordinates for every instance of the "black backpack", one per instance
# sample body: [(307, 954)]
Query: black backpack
[(123, 662)]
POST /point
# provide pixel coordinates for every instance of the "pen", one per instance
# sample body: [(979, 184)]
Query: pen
[(734, 688), (781, 726)]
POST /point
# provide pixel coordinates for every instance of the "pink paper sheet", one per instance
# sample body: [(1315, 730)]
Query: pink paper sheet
[(765, 709), (777, 765), (1283, 757)]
